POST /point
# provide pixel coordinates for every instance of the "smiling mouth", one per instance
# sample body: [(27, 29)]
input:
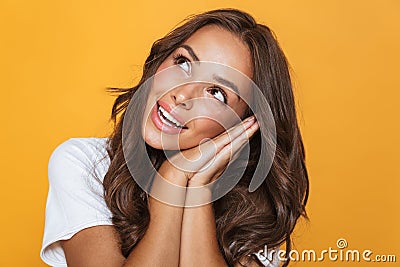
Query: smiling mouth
[(168, 119)]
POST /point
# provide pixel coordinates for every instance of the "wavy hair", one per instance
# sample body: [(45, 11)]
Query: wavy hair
[(245, 221)]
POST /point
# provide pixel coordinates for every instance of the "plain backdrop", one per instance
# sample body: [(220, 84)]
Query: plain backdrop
[(57, 58)]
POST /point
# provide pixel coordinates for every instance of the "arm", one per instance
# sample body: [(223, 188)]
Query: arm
[(162, 242), (199, 245), (94, 246), (160, 245), (99, 246)]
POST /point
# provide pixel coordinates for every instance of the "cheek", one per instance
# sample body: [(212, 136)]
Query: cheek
[(206, 128), (150, 135), (241, 110)]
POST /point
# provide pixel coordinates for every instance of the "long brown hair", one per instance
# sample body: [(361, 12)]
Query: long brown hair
[(245, 222)]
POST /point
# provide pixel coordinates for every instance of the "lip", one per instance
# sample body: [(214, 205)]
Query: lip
[(161, 125), (169, 110)]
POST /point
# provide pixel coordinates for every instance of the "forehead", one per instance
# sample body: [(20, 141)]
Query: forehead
[(213, 43)]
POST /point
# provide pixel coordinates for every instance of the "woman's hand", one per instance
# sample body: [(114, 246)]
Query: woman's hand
[(205, 163)]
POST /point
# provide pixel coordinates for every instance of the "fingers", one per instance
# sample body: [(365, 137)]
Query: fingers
[(231, 134), (195, 159), (236, 151), (236, 130), (210, 148), (238, 144), (225, 155)]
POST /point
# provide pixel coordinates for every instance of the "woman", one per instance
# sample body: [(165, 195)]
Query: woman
[(127, 219)]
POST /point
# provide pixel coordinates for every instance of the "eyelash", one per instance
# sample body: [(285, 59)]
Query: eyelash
[(179, 56), (221, 91)]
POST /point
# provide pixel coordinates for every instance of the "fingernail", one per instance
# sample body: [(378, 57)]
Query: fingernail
[(252, 118), (250, 121)]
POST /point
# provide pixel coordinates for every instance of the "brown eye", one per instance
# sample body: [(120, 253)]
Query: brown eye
[(218, 93), (183, 63)]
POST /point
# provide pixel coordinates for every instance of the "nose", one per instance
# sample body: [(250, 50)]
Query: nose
[(183, 95)]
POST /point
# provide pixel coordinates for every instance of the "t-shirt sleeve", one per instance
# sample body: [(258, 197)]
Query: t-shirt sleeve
[(75, 197)]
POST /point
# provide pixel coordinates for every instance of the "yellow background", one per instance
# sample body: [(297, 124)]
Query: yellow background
[(56, 58)]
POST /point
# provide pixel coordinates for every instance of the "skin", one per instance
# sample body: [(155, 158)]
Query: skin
[(179, 236), (208, 45)]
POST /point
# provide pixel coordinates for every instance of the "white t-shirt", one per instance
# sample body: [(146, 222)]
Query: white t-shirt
[(75, 200)]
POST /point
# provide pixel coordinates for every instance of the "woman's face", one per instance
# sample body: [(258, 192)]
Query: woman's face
[(210, 43)]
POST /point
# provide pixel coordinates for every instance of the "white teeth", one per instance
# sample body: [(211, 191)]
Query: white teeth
[(169, 117)]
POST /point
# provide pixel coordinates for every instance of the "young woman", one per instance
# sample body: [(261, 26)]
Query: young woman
[(100, 213)]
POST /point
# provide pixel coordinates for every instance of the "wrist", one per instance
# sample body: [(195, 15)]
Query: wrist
[(173, 176), (198, 195)]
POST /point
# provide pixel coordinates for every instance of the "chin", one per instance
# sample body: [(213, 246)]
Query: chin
[(154, 144), (157, 145)]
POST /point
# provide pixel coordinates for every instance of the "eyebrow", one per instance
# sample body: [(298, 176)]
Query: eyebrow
[(215, 77), (227, 84), (191, 52)]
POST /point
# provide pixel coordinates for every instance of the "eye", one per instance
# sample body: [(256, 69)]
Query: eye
[(218, 93), (183, 63)]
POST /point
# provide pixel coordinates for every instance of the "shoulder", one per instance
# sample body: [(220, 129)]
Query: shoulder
[(83, 155), (76, 169), (79, 150)]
